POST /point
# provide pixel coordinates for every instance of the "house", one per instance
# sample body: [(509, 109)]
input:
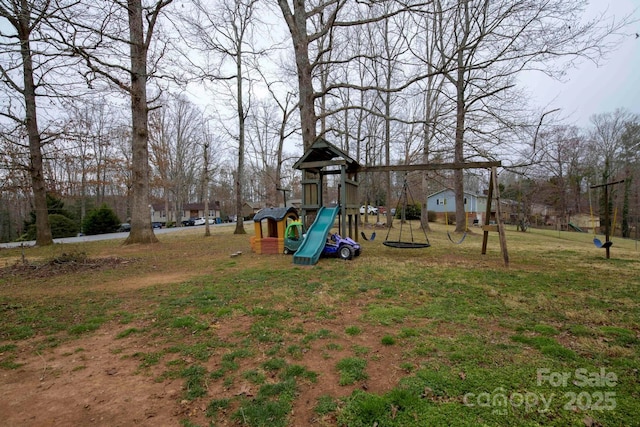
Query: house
[(249, 209), (189, 210), (445, 201), (475, 205)]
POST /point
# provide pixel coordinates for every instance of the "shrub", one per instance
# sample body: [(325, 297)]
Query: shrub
[(62, 222), (62, 226), (413, 211), (101, 220)]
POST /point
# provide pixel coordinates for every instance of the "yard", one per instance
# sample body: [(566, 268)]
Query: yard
[(183, 333)]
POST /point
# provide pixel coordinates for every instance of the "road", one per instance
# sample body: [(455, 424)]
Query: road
[(109, 236)]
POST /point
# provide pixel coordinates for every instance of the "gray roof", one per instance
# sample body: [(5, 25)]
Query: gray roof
[(323, 151), (277, 214)]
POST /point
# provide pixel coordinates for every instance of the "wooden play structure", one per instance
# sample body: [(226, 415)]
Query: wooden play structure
[(320, 160), (323, 158), (276, 221)]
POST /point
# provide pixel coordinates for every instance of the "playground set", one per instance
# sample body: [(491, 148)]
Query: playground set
[(286, 232)]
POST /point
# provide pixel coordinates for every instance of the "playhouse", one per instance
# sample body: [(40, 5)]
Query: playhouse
[(276, 221)]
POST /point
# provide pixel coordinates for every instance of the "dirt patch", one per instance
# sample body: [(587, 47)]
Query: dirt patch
[(97, 380), (86, 382)]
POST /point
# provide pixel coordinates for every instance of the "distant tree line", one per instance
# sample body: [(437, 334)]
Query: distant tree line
[(569, 160)]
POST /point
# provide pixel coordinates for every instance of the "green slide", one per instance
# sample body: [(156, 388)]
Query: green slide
[(575, 227), (309, 251)]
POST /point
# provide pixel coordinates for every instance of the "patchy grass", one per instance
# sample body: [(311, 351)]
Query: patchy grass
[(352, 369), (438, 336)]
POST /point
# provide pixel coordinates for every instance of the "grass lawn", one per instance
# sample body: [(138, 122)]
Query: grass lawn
[(182, 333)]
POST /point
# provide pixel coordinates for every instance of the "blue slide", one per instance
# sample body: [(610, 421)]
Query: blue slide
[(309, 251)]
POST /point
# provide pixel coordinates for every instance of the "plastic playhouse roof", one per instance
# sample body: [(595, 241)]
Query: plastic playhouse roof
[(277, 214)]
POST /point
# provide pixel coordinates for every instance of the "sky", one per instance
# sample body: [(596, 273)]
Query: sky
[(593, 89)]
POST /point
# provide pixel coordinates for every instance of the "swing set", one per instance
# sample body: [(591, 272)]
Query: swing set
[(322, 159), (493, 193)]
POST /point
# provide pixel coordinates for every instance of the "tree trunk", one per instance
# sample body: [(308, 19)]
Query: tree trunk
[(626, 228), (207, 229), (297, 23), (458, 174), (141, 230), (43, 229), (240, 174)]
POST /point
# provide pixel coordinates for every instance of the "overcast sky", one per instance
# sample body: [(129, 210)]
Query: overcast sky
[(592, 89)]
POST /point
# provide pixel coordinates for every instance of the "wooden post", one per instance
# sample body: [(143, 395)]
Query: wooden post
[(495, 189), (487, 216), (607, 217), (607, 220), (501, 231)]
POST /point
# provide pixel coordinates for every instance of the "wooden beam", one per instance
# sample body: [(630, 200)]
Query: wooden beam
[(607, 184), (494, 190), (431, 166), (487, 216), (501, 233), (321, 164)]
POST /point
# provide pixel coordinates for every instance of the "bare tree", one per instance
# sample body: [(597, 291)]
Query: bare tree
[(630, 158), (226, 29), (286, 107), (311, 28), (491, 42), (97, 39), (393, 46), (561, 162), (425, 48), (87, 139), (607, 134), (141, 230), (205, 178), (175, 130), (15, 184), (24, 75)]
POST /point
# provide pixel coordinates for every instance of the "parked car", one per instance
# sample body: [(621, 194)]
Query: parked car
[(156, 224), (371, 210), (202, 220), (125, 226), (189, 222)]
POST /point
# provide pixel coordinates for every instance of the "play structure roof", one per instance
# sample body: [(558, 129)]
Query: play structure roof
[(322, 153), (277, 214)]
